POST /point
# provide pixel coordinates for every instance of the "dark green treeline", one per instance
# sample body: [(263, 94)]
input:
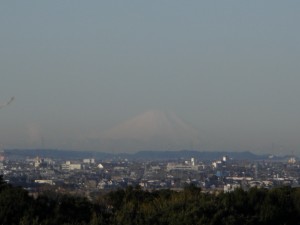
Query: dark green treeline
[(135, 206)]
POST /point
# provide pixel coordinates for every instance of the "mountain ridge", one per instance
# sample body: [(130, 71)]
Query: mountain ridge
[(141, 155)]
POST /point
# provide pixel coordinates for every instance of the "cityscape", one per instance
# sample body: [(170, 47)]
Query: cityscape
[(89, 176), (149, 112)]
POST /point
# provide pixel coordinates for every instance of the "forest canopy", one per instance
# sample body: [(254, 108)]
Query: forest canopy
[(135, 206)]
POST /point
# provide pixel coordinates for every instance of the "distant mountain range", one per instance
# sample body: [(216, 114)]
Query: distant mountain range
[(142, 155)]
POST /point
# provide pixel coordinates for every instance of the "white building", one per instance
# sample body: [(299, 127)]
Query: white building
[(71, 166), (188, 165), (89, 161), (231, 187), (44, 182)]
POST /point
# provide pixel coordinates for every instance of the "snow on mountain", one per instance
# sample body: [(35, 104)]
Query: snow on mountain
[(155, 130)]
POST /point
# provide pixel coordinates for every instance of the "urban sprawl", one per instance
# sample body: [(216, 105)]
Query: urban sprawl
[(89, 177)]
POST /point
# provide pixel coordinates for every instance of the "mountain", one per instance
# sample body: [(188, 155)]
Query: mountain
[(152, 130), (141, 155), (186, 154)]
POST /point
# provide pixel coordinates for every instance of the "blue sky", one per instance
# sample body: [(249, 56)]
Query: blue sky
[(78, 68)]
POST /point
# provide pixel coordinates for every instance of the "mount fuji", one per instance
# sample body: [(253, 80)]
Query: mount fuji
[(152, 130)]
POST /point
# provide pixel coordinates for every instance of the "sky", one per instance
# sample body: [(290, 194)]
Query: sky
[(229, 69)]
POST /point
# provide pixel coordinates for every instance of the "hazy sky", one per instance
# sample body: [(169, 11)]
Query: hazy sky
[(77, 68)]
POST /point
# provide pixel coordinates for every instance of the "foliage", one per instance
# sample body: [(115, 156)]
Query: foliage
[(158, 207)]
